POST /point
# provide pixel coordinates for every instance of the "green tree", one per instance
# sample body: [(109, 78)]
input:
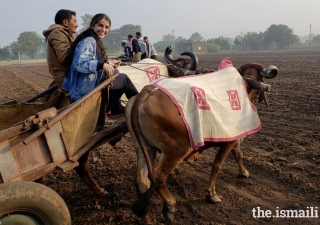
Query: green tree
[(127, 29), (179, 43), (213, 47), (195, 37), (113, 40), (28, 43), (5, 53), (86, 19), (316, 38), (167, 40), (280, 36), (253, 41), (237, 41), (168, 37), (222, 42), (15, 49)]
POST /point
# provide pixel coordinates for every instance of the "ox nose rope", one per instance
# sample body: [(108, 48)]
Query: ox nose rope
[(151, 72)]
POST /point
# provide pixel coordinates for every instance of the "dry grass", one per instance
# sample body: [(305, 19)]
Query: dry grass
[(29, 61)]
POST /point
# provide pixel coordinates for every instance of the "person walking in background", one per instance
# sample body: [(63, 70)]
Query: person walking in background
[(87, 60), (151, 52), (142, 45), (59, 37), (135, 48)]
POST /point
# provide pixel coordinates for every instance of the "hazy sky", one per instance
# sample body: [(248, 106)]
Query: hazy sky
[(210, 18)]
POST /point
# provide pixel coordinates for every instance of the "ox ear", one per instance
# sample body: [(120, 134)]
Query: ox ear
[(269, 72)]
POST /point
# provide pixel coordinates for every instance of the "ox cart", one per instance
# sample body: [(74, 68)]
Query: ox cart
[(37, 137)]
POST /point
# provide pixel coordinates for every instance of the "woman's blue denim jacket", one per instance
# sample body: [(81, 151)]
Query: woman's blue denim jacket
[(83, 75)]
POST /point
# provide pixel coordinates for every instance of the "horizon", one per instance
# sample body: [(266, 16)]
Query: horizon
[(157, 19)]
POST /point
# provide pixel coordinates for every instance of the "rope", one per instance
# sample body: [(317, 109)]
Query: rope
[(152, 73)]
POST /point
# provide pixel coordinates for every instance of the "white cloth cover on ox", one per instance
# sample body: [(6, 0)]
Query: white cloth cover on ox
[(143, 72), (214, 106)]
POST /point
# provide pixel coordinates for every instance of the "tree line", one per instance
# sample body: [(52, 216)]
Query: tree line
[(29, 44)]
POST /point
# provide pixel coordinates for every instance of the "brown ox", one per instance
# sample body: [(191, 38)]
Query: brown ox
[(155, 125)]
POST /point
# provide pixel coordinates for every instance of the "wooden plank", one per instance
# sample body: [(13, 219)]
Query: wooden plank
[(68, 165), (8, 167)]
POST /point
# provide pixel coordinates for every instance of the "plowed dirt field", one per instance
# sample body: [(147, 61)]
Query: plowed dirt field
[(283, 158)]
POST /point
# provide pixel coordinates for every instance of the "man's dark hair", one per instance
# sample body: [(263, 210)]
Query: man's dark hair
[(63, 14), (138, 33), (130, 36)]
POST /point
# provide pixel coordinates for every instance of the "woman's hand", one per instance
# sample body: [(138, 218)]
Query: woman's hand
[(108, 69), (115, 63)]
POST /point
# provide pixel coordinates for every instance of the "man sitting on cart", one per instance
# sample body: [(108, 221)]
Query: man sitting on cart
[(59, 37), (126, 56)]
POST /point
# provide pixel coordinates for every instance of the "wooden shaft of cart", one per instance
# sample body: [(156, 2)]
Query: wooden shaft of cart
[(69, 109), (50, 89)]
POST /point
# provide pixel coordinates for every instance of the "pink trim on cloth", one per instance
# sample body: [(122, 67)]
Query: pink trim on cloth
[(214, 106)]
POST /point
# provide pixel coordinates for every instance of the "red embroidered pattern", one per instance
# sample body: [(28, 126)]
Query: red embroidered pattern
[(153, 73), (200, 97), (234, 99)]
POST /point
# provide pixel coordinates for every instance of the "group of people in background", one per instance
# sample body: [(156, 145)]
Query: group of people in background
[(139, 48)]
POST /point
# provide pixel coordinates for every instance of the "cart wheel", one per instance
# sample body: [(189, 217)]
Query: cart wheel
[(30, 203)]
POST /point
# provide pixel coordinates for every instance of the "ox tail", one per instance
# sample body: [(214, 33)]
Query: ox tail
[(141, 206)]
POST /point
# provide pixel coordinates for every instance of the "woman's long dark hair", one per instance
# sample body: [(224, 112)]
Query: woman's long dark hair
[(89, 33)]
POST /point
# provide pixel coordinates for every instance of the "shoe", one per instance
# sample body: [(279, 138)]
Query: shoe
[(117, 116), (108, 122)]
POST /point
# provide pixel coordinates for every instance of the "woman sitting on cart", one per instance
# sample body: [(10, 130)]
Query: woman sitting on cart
[(88, 62)]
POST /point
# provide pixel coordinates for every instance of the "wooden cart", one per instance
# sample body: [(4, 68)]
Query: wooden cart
[(36, 138)]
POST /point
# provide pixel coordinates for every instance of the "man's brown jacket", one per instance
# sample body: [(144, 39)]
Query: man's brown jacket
[(59, 39)]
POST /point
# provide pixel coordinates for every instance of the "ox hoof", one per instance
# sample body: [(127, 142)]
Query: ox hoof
[(215, 199), (154, 222), (244, 175), (102, 192), (168, 212)]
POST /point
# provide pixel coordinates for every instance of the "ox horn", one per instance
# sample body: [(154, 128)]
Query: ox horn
[(253, 84), (168, 56), (269, 72), (194, 61), (190, 66)]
